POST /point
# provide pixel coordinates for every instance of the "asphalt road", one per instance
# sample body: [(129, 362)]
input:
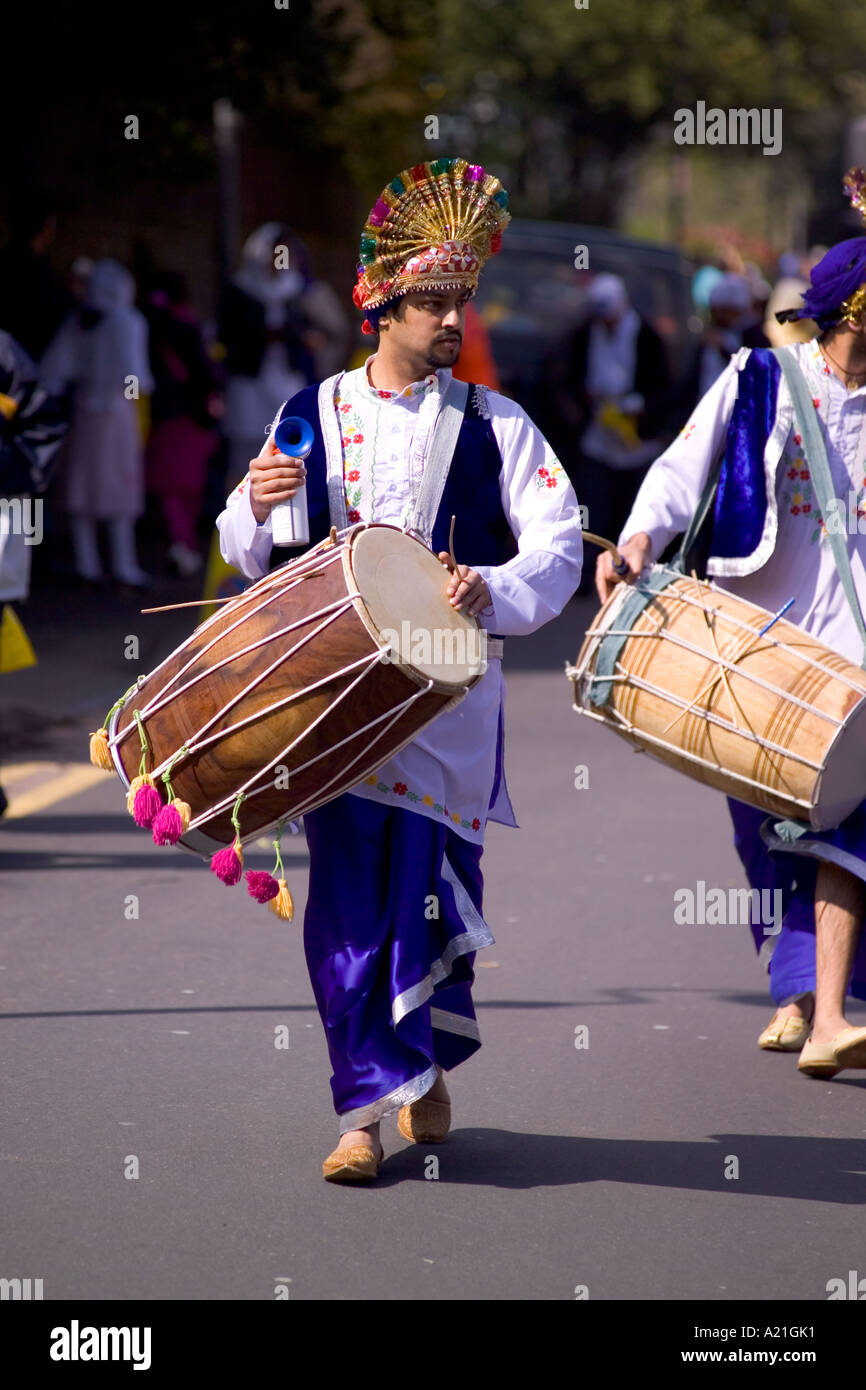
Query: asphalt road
[(606, 1166)]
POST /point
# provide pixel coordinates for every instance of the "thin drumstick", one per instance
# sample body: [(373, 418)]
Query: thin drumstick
[(700, 695), (233, 598), (723, 673), (706, 689), (196, 603)]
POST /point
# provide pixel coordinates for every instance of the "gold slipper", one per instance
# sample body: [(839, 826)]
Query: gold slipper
[(848, 1049), (357, 1163), (425, 1121), (785, 1034)]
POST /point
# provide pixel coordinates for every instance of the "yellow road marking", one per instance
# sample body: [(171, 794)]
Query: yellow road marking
[(74, 778), (10, 773)]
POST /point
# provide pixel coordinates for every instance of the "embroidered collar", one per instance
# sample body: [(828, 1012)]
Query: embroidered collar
[(415, 388)]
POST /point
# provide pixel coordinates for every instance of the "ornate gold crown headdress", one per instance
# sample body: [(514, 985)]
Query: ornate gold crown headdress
[(432, 227)]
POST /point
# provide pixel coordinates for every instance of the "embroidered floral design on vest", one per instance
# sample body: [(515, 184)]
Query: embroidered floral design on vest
[(351, 439), (401, 789)]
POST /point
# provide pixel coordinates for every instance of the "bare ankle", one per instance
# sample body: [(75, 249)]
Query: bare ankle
[(802, 1007), (826, 1026), (370, 1136)]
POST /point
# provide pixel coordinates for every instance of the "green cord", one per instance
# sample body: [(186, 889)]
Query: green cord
[(117, 704), (166, 776), (144, 744), (235, 823), (279, 871)]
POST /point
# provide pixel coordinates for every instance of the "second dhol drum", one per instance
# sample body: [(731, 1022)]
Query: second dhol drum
[(302, 686), (710, 684)]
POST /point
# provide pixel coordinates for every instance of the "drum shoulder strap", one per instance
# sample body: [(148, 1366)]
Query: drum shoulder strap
[(333, 452), (705, 501), (819, 467), (445, 433)]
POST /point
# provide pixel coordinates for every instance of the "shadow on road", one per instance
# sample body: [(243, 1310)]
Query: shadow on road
[(805, 1168), (65, 856), (180, 1009)]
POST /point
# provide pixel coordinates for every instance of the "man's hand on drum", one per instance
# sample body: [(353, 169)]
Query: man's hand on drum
[(637, 552), (274, 478), (466, 591)]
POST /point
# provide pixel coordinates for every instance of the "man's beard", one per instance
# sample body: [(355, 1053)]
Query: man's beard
[(443, 353)]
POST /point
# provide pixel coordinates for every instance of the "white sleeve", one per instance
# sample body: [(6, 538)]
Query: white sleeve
[(243, 542), (543, 514), (670, 492)]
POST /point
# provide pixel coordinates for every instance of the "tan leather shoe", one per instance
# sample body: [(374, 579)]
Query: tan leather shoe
[(848, 1049), (355, 1163), (425, 1121), (784, 1034)]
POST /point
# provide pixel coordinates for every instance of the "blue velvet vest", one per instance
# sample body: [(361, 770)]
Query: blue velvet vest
[(482, 535), (741, 496)]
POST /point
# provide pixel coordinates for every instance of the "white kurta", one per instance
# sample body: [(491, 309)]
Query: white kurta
[(448, 772), (801, 564)]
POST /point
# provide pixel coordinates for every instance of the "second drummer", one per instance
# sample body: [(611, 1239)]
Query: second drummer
[(394, 912), (769, 544)]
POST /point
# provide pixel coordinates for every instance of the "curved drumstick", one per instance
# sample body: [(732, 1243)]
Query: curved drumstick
[(451, 542), (620, 566)]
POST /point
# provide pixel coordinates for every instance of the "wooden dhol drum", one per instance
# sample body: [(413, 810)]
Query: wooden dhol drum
[(303, 685), (682, 669)]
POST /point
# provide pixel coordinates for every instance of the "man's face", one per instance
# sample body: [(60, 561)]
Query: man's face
[(431, 327)]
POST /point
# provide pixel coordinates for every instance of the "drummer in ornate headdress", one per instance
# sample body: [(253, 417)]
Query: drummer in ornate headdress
[(394, 913), (769, 542)]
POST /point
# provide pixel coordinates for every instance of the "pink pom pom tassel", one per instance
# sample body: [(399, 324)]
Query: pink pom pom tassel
[(261, 886), (167, 826), (146, 806), (228, 865)]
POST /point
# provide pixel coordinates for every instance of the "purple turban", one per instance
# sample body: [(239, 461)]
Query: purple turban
[(833, 280)]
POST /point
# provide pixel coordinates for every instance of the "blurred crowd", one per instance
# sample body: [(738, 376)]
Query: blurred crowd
[(157, 413), (617, 391), (135, 408)]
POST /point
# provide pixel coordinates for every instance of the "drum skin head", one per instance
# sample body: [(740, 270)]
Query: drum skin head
[(401, 585), (841, 784)]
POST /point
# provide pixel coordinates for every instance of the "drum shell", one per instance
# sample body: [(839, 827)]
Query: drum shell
[(808, 763), (213, 774)]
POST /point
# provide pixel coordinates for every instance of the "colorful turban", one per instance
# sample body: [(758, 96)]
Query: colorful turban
[(433, 227)]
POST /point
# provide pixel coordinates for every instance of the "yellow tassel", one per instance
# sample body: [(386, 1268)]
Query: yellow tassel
[(100, 753), (133, 788), (282, 904), (184, 810)]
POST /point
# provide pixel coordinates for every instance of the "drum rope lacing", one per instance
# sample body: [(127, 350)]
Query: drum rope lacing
[(272, 592), (344, 773), (161, 700), (573, 671), (725, 664), (268, 593)]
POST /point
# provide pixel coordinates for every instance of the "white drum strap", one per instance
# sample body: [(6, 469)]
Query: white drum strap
[(819, 466), (446, 430), (333, 452)]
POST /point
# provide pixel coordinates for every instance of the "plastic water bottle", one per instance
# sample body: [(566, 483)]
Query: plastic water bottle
[(290, 520)]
